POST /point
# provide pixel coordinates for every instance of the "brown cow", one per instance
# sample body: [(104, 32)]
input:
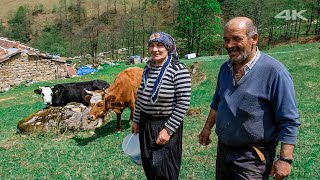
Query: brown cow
[(120, 95)]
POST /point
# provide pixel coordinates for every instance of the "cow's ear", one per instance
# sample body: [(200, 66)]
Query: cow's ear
[(100, 84), (37, 91), (111, 98), (87, 98), (100, 103)]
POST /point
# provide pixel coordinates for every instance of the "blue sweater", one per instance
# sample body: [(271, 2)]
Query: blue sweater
[(261, 108)]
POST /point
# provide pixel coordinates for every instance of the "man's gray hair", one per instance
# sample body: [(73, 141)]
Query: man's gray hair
[(251, 29), (244, 21)]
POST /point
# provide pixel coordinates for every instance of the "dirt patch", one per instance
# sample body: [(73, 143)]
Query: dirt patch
[(193, 111), (300, 40), (197, 76), (9, 143), (311, 39), (6, 99)]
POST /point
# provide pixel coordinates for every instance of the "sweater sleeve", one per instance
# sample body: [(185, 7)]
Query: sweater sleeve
[(136, 115), (216, 97), (182, 84), (284, 104)]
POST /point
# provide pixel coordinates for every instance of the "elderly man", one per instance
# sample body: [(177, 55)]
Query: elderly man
[(253, 108)]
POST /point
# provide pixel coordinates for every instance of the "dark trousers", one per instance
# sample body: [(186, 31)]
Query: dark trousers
[(235, 163), (160, 162)]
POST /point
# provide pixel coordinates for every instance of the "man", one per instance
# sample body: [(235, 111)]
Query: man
[(253, 108)]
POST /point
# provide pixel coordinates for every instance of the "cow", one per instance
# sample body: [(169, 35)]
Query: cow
[(62, 94), (120, 95)]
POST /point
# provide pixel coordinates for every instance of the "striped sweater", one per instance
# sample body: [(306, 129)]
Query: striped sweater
[(173, 98)]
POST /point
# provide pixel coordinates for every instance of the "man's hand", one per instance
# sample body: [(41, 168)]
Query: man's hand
[(163, 137), (280, 170), (204, 137), (135, 128)]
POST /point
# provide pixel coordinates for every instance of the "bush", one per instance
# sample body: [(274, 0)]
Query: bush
[(38, 9), (54, 9)]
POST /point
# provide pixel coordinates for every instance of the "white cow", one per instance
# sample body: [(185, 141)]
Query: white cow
[(46, 93)]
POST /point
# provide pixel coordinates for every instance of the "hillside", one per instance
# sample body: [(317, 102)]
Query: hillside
[(85, 26), (80, 27), (10, 6), (51, 8)]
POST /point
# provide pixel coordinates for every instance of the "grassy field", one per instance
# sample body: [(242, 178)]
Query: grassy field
[(80, 155)]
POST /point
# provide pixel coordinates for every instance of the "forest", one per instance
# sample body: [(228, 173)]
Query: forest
[(78, 27)]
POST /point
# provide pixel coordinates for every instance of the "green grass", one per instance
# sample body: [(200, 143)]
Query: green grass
[(80, 155)]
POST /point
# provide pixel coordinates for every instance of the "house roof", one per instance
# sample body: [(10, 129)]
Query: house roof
[(10, 48)]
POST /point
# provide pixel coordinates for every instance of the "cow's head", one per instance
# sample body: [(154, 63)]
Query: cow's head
[(46, 93), (59, 94), (97, 103)]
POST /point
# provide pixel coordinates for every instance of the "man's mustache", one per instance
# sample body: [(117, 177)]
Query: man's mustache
[(233, 49)]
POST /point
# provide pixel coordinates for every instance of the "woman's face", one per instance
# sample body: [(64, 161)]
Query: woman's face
[(158, 52)]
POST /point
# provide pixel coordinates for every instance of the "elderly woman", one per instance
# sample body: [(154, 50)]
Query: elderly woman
[(163, 100)]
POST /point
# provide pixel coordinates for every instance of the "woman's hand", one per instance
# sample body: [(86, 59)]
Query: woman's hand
[(163, 137), (135, 128)]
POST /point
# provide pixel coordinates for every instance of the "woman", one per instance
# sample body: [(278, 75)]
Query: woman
[(163, 99)]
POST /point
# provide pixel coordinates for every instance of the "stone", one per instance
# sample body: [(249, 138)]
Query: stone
[(72, 117)]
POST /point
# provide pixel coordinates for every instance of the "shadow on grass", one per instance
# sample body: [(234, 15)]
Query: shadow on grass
[(107, 129)]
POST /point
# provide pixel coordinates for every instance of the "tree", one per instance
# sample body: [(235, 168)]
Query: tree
[(317, 27), (77, 12), (133, 30), (91, 32), (142, 11), (196, 20), (115, 6), (97, 4), (50, 40), (2, 29), (20, 25)]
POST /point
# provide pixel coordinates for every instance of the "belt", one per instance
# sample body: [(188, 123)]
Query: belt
[(257, 148), (148, 118), (260, 154)]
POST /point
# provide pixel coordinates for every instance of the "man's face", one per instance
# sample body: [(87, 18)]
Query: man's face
[(237, 43)]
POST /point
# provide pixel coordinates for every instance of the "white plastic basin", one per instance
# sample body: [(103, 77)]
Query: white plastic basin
[(131, 147)]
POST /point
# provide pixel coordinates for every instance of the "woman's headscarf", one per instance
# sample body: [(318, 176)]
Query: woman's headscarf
[(164, 39)]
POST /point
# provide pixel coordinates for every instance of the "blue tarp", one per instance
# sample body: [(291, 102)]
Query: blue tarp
[(85, 70)]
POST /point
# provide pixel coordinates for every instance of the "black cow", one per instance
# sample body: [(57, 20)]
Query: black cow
[(62, 94)]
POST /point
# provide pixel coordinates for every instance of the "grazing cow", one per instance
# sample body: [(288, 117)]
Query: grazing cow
[(120, 95), (62, 94)]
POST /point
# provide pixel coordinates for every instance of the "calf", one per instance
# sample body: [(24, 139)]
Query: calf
[(62, 94), (120, 95)]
